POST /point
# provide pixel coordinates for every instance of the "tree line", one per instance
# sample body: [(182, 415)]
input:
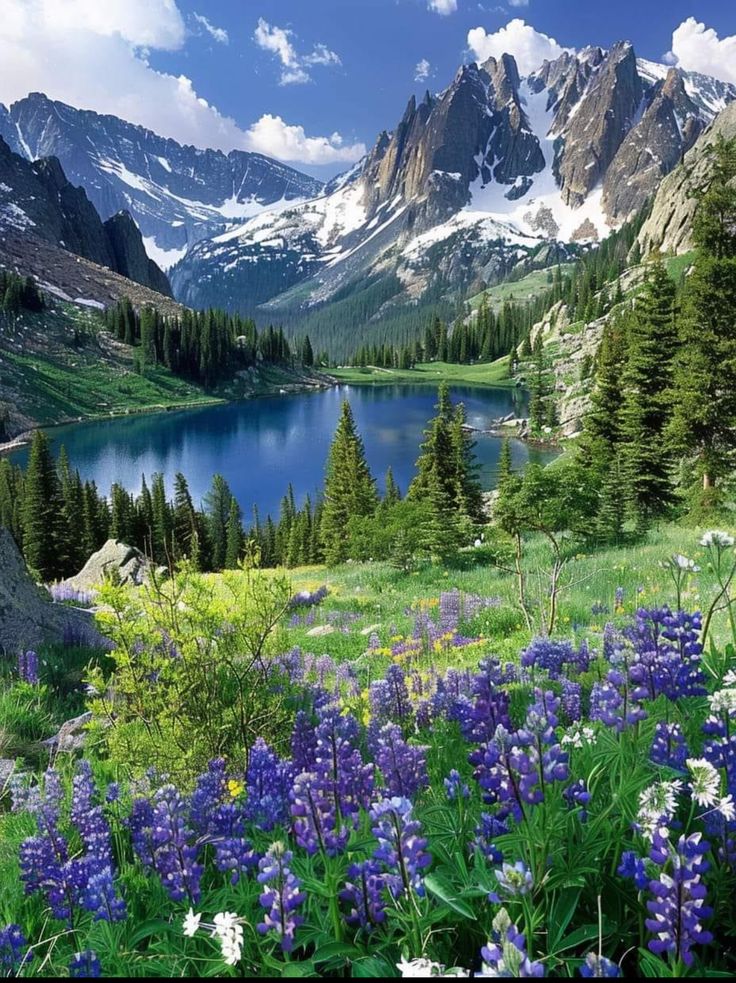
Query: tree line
[(18, 294), (59, 520)]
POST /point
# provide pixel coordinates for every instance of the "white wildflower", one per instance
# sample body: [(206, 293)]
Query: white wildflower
[(727, 808), (191, 923), (685, 564), (228, 928), (724, 701), (705, 784), (730, 678), (657, 803), (717, 538), (578, 736), (419, 968)]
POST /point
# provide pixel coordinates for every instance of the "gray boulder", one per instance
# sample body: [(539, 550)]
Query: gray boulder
[(28, 616), (115, 560)]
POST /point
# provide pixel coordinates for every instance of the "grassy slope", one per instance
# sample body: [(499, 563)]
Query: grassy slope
[(484, 374), (383, 595), (527, 288), (49, 375)]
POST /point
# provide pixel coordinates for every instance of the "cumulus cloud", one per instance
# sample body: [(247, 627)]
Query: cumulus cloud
[(218, 34), (422, 71), (294, 66), (698, 48), (95, 56), (443, 7), (528, 46), (272, 136)]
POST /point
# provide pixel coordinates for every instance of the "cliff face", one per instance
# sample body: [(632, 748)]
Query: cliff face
[(36, 199), (669, 227)]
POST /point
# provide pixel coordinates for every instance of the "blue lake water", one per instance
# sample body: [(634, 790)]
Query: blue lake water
[(261, 445)]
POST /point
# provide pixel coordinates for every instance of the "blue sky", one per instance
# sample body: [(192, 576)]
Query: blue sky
[(313, 81)]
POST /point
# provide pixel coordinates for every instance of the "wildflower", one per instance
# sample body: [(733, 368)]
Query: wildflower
[(571, 700), (633, 868), (164, 842), (364, 893), (191, 923), (14, 952), (400, 849), (515, 880), (717, 539), (705, 782), (657, 805), (723, 701), (455, 787), (598, 967), (85, 965), (727, 808), (228, 929), (677, 907), (267, 784), (281, 896), (28, 668), (578, 796), (669, 747), (578, 736), (419, 968), (403, 766), (505, 954)]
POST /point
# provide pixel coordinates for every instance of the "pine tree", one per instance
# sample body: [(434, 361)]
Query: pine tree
[(392, 494), (307, 355), (234, 536), (652, 344), (217, 503), (468, 498), (505, 469), (349, 490), (41, 509), (704, 396)]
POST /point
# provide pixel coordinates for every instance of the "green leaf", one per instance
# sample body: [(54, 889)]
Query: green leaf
[(561, 914), (443, 890), (335, 950), (370, 967), (154, 927), (583, 934)]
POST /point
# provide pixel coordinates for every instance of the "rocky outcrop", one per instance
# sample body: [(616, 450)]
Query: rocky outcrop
[(114, 561), (669, 226), (668, 127), (37, 199), (28, 616), (129, 254), (602, 118)]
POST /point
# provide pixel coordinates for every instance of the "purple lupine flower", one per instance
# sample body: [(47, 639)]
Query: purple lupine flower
[(633, 868), (668, 654), (598, 967), (455, 787), (571, 701), (577, 796), (14, 951), (401, 850), (339, 763), (303, 742), (101, 898), (397, 705), (669, 747), (220, 822), (281, 896), (486, 832), (85, 965), (364, 893), (315, 823), (611, 640), (28, 668), (548, 654), (403, 766), (505, 954), (490, 706), (267, 784), (514, 880), (677, 907), (308, 599), (163, 842)]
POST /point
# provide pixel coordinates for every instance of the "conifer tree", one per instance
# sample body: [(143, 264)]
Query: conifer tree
[(349, 490), (41, 509), (392, 494), (217, 504), (652, 344), (234, 536)]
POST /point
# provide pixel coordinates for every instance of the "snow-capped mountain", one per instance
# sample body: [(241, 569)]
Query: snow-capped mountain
[(176, 194), (472, 181)]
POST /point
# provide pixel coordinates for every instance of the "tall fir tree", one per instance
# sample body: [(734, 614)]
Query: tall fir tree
[(41, 510)]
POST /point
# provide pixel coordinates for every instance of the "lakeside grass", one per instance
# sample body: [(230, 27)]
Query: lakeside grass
[(493, 374)]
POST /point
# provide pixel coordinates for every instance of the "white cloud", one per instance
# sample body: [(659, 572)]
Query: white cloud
[(294, 67), (443, 7), (528, 46), (94, 55), (272, 136), (698, 48), (218, 34), (518, 3), (422, 71)]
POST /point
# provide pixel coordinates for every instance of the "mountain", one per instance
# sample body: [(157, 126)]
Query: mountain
[(176, 194), (42, 213), (669, 226), (473, 183)]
